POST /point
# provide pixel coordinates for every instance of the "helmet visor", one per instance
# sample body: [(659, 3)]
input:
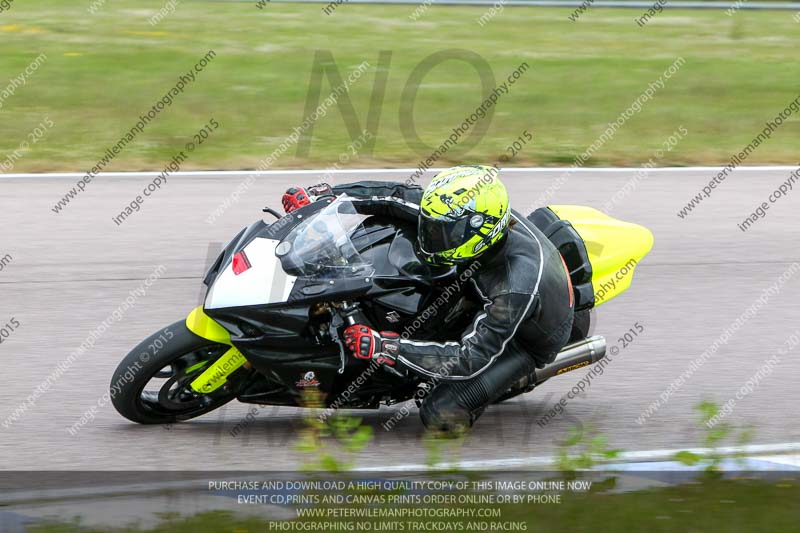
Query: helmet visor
[(437, 235)]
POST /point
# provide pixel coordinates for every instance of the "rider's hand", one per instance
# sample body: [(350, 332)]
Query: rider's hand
[(366, 343), (295, 198)]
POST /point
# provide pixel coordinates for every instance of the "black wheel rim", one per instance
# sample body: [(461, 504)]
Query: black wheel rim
[(167, 391)]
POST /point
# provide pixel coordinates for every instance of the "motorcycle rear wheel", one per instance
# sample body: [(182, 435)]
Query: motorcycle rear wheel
[(169, 360)]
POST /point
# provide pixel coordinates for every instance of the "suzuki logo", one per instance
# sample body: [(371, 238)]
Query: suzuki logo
[(393, 317)]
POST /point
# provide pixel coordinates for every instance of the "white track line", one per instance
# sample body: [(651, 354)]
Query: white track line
[(624, 457), (243, 173), (769, 450)]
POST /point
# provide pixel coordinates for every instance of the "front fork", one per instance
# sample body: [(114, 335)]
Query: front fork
[(344, 315)]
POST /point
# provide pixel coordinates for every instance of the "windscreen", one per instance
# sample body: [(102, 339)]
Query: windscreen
[(321, 246)]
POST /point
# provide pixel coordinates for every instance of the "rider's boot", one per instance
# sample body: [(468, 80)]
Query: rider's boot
[(454, 406)]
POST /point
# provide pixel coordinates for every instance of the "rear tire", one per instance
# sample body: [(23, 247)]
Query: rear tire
[(176, 348), (581, 326)]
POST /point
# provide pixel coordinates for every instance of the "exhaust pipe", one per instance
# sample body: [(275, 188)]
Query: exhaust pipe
[(573, 357)]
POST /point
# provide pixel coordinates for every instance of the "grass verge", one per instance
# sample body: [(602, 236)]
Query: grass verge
[(713, 505), (105, 69)]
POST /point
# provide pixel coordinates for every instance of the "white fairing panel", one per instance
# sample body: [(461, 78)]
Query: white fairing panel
[(265, 282)]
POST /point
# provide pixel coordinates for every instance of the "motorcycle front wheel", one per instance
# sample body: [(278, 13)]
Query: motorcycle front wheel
[(151, 385)]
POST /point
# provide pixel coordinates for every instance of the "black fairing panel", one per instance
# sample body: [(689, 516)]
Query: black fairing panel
[(276, 230), (283, 342)]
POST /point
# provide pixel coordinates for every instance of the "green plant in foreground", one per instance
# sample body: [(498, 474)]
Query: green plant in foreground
[(582, 450), (332, 443), (714, 436), (438, 445)]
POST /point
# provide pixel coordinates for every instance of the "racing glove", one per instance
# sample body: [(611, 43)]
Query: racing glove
[(366, 343), (297, 197)]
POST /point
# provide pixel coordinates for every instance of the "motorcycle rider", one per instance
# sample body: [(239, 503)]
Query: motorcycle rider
[(464, 216)]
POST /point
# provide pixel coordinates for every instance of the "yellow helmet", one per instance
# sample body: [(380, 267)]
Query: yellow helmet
[(463, 212)]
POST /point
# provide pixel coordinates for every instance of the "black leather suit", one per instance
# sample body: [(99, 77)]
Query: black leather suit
[(526, 317)]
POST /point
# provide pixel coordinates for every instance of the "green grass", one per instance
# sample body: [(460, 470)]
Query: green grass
[(103, 70), (714, 505)]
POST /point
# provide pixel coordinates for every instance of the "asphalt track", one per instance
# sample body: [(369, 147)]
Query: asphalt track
[(71, 270)]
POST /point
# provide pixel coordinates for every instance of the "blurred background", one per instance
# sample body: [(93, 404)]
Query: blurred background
[(577, 103), (108, 62)]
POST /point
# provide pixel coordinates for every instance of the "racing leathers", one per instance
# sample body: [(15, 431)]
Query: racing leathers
[(526, 318)]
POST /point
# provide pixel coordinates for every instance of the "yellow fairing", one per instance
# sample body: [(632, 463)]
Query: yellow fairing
[(204, 326), (614, 247), (217, 374)]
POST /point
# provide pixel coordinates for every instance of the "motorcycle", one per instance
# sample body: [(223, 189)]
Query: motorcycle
[(281, 293)]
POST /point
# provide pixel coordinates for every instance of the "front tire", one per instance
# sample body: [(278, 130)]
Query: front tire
[(168, 361)]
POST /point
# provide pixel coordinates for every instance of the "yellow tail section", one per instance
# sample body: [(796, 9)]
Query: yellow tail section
[(614, 247)]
